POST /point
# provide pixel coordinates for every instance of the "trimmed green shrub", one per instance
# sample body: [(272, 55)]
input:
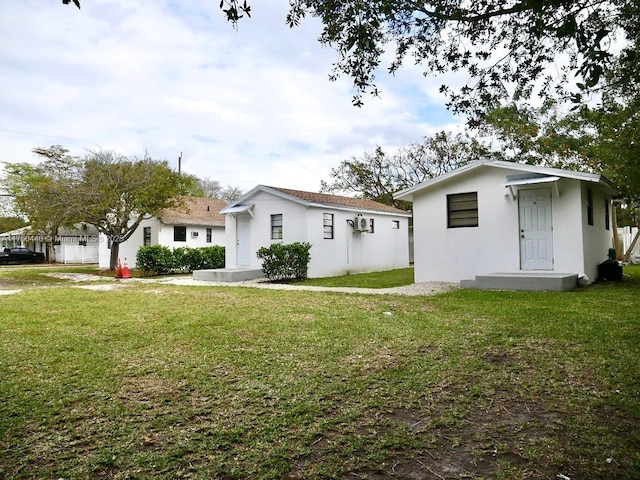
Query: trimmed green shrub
[(155, 260), (285, 261), (159, 260), (213, 256)]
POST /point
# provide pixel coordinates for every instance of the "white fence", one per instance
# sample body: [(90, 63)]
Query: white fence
[(70, 253), (627, 235)]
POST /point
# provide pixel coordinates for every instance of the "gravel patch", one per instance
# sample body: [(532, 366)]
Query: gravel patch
[(9, 292), (80, 277), (423, 288)]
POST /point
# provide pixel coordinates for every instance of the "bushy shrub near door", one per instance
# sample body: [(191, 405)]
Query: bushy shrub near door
[(285, 261)]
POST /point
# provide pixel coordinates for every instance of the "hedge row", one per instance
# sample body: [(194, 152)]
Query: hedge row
[(159, 260)]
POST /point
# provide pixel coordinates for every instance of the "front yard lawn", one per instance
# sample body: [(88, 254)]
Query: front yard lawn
[(154, 381)]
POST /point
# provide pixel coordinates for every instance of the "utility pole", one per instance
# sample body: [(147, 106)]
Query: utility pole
[(180, 164)]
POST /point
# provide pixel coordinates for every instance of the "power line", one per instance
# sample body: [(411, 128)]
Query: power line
[(38, 134)]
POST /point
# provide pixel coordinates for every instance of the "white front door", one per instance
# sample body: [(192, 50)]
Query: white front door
[(243, 239), (536, 233)]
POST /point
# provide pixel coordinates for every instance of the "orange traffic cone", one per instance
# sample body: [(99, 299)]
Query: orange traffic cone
[(125, 270), (119, 270)]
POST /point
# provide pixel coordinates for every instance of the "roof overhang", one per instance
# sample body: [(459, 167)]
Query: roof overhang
[(518, 180), (248, 208), (536, 174)]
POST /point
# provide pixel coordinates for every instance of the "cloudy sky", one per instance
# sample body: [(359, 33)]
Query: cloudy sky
[(245, 107)]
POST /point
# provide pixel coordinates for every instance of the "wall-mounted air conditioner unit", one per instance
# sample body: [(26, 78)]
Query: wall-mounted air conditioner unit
[(194, 234), (361, 224)]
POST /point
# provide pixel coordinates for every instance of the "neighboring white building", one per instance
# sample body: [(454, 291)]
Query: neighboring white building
[(72, 245), (347, 235), (198, 223), (493, 217)]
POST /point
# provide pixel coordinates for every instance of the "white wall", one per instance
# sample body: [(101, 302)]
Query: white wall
[(161, 234), (347, 252), (454, 254), (597, 239), (165, 236)]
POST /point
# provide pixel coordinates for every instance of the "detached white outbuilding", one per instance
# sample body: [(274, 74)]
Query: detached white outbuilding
[(494, 224), (72, 245), (347, 235), (198, 223)]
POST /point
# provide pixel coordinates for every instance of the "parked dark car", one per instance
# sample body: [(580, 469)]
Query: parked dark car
[(20, 255)]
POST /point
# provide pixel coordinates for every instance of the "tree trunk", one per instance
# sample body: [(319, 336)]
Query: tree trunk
[(617, 243), (51, 252), (113, 259)]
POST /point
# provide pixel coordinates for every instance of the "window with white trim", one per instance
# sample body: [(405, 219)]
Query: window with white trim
[(146, 234), (276, 226), (327, 226)]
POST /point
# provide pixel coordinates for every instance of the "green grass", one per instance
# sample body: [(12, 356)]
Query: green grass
[(388, 279), (154, 381)]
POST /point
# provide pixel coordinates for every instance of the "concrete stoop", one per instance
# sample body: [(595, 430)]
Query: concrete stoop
[(530, 281), (227, 274)]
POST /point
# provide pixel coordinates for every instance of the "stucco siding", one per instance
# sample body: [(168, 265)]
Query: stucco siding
[(161, 234), (346, 252), (567, 240), (454, 254), (597, 238)]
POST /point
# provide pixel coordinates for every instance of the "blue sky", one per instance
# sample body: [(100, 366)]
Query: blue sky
[(245, 107)]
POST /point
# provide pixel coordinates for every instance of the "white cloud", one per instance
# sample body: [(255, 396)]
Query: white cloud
[(244, 107)]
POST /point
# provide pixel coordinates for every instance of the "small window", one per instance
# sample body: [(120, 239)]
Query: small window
[(371, 225), (209, 236), (179, 234), (607, 219), (146, 236), (589, 206), (327, 225), (395, 224), (276, 226), (462, 210)]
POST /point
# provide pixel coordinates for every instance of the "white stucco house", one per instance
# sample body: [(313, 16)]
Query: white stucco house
[(347, 235), (72, 245), (494, 224), (198, 223)]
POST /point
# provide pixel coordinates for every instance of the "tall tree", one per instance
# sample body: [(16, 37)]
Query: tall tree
[(11, 223), (604, 139), (614, 131), (213, 188), (537, 136), (116, 193), (44, 193), (377, 175)]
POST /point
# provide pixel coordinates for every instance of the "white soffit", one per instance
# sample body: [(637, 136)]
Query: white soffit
[(239, 209), (514, 182), (530, 181)]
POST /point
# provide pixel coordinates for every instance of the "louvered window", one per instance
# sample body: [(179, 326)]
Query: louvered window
[(462, 210)]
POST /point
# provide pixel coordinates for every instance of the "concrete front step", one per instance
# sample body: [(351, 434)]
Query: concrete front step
[(227, 274), (531, 281)]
